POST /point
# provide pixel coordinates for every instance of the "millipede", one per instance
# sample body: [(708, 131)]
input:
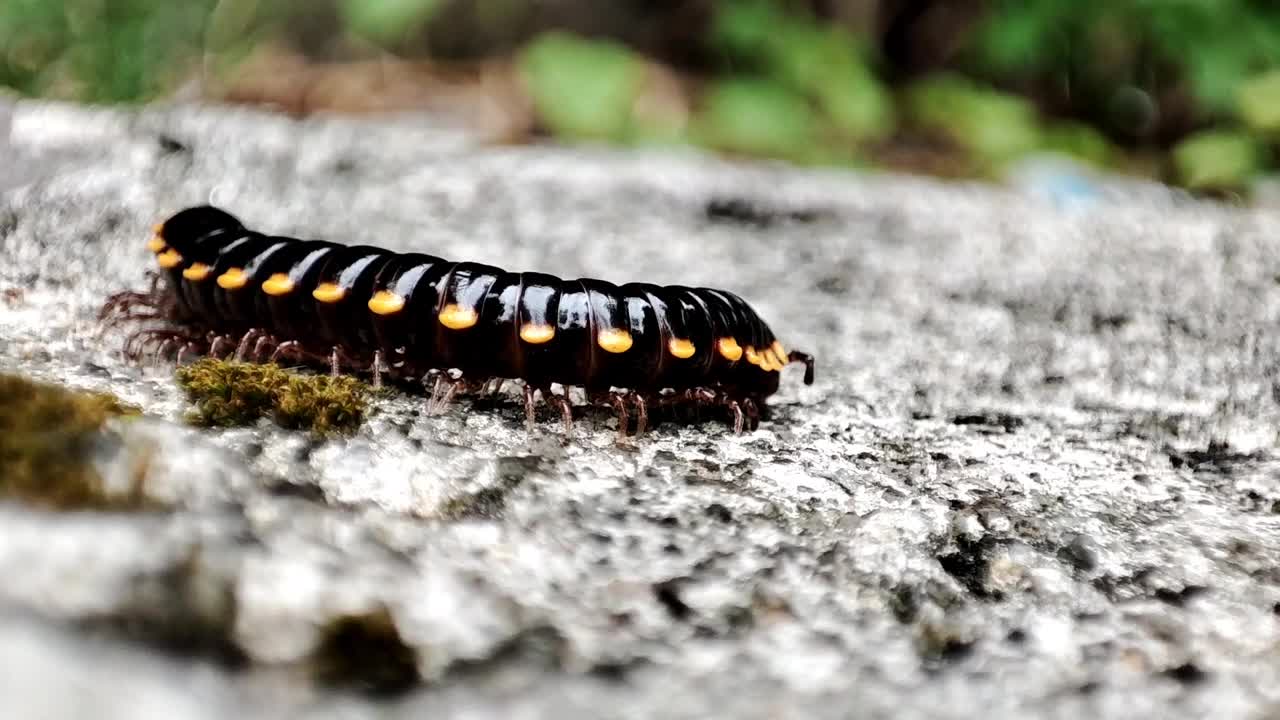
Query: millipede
[(223, 290)]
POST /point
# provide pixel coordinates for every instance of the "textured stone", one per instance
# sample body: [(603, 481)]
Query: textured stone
[(1036, 476)]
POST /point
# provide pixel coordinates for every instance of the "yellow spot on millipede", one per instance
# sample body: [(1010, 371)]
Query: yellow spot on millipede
[(328, 292), (197, 272), (158, 228), (277, 284), (536, 334), (155, 244), (771, 362), (681, 348), (779, 351), (233, 279), (169, 258), (614, 340), (456, 317), (729, 348), (753, 357), (385, 302)]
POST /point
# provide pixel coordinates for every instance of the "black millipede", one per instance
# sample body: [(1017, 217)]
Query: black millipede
[(223, 289)]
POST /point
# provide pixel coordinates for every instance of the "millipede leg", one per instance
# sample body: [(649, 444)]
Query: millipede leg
[(135, 345), (642, 412), (217, 343), (530, 407), (160, 351), (436, 389), (128, 314), (619, 403), (286, 348), (189, 346), (489, 389), (122, 303), (242, 348), (258, 347), (440, 401), (738, 419), (699, 398), (752, 410), (450, 394), (377, 369), (566, 408)]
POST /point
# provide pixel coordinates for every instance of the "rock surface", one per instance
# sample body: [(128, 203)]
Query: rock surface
[(1036, 476)]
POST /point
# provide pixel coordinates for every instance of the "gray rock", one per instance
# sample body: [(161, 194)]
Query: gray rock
[(1036, 476)]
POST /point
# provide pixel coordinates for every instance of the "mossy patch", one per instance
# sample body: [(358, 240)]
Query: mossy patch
[(47, 438), (226, 393)]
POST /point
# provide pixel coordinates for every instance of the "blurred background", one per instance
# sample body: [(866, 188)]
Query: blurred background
[(1185, 91)]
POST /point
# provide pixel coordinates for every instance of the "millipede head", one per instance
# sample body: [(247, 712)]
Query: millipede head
[(182, 230)]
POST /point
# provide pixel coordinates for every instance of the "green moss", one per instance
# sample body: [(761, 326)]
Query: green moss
[(323, 405), (47, 436), (233, 394)]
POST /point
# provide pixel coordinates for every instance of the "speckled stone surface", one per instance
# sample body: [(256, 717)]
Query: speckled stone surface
[(1036, 476)]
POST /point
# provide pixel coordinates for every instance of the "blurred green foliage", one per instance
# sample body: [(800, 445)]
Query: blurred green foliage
[(824, 63), (756, 117), (100, 50), (994, 127), (583, 89), (1210, 46), (1194, 82), (387, 22), (1217, 159)]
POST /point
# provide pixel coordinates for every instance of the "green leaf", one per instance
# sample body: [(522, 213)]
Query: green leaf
[(1217, 159), (1258, 101), (1016, 39), (387, 22), (1216, 73), (582, 88), (1078, 141), (858, 105), (33, 35), (756, 117), (802, 54), (742, 27), (995, 127)]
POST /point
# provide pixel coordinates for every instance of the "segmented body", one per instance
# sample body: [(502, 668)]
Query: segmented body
[(410, 314)]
